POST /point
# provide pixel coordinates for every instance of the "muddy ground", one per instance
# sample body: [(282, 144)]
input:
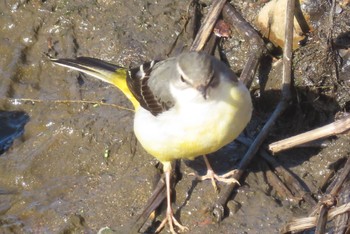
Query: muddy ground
[(78, 167)]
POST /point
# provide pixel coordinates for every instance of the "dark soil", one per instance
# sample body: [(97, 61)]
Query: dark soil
[(78, 167)]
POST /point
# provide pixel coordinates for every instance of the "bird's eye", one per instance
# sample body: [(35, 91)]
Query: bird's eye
[(182, 79)]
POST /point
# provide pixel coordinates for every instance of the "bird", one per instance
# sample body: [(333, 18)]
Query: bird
[(185, 106)]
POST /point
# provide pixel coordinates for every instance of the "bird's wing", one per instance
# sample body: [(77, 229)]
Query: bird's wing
[(149, 83)]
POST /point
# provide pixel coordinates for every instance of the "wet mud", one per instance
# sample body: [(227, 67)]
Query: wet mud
[(78, 167)]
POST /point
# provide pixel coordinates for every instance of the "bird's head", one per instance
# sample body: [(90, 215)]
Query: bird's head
[(196, 71)]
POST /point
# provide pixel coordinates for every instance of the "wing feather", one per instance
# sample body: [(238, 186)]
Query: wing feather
[(138, 82)]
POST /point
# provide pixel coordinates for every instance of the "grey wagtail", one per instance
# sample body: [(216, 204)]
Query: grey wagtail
[(185, 106)]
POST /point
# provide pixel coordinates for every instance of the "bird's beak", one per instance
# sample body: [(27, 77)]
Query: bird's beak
[(203, 90)]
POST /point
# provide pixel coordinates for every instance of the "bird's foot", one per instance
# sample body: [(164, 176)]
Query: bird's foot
[(225, 178), (171, 220)]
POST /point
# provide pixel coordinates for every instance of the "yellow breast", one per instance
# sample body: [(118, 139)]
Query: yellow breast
[(196, 128)]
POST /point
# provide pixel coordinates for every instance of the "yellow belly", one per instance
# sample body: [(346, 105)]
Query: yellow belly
[(196, 128)]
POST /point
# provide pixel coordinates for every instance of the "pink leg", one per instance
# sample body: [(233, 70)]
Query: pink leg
[(170, 219)]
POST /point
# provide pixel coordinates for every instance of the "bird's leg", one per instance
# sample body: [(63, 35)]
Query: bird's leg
[(170, 219), (214, 177)]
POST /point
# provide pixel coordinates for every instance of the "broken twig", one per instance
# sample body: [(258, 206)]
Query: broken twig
[(334, 128), (310, 222), (323, 211), (208, 25)]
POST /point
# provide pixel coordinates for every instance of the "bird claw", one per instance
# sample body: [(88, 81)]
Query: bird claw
[(171, 220), (225, 178)]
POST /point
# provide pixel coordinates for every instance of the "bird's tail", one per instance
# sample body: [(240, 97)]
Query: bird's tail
[(102, 70)]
